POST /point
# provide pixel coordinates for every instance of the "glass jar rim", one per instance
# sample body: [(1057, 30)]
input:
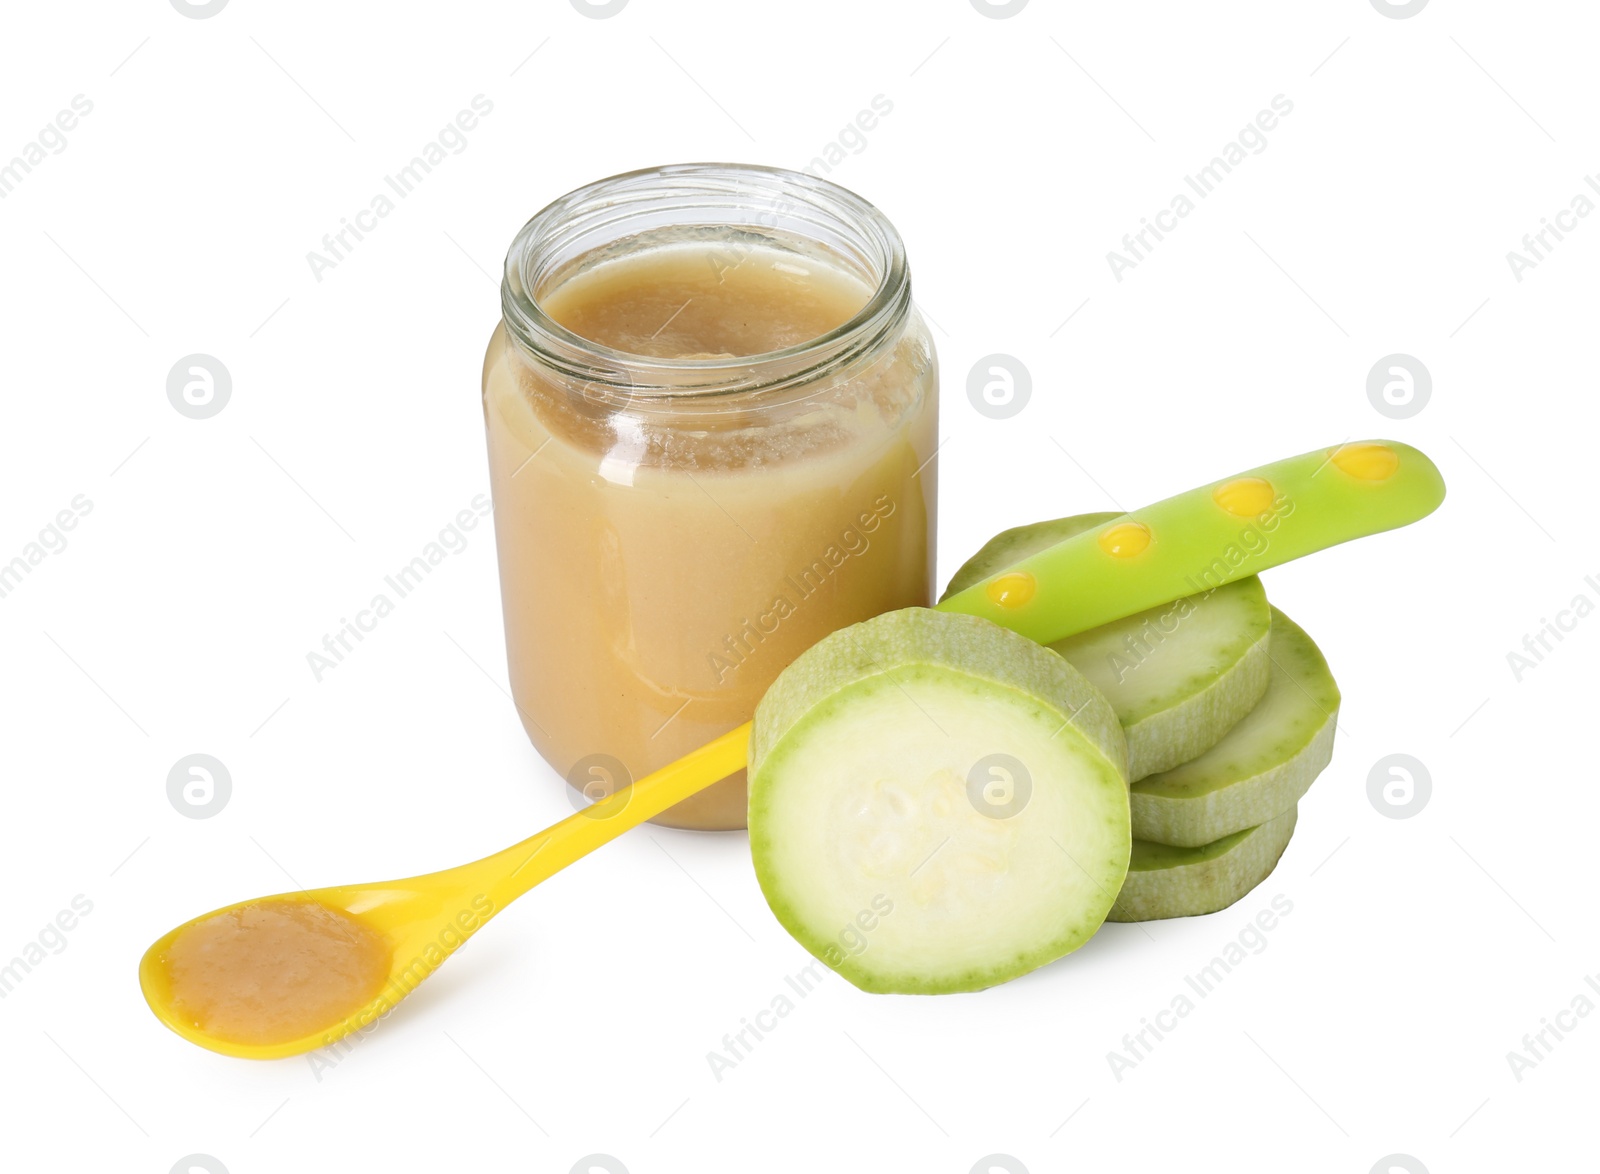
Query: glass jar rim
[(608, 208)]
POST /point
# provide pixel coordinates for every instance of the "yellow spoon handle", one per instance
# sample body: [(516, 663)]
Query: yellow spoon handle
[(511, 873)]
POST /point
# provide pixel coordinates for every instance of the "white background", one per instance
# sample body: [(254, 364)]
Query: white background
[(1019, 151)]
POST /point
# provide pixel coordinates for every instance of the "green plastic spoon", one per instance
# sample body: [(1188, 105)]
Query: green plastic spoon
[(1208, 536)]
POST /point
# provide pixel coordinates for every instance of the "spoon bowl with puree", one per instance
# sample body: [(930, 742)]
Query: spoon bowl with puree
[(278, 976)]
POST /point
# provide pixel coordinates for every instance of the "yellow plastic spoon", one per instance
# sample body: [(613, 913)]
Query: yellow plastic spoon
[(424, 919), (1188, 543)]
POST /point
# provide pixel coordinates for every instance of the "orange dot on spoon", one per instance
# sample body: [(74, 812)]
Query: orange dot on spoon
[(1125, 539), (1244, 497), (1366, 462), (1013, 589)]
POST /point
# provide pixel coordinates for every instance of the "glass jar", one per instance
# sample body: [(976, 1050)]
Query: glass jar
[(678, 519)]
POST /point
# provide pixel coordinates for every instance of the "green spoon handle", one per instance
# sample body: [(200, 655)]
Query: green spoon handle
[(1199, 540)]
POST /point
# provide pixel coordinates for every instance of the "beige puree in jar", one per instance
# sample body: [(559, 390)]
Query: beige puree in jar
[(661, 562)]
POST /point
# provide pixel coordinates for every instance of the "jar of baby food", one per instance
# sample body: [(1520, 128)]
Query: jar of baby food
[(711, 412)]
